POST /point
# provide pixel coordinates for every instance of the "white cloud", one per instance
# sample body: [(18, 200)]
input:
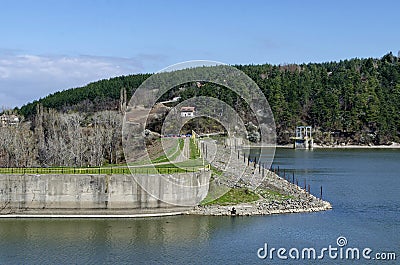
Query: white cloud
[(26, 77)]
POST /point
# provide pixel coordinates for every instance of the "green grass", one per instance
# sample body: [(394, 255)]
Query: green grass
[(196, 163), (192, 163), (216, 171), (181, 143), (273, 195), (194, 151), (160, 169), (170, 155), (235, 196)]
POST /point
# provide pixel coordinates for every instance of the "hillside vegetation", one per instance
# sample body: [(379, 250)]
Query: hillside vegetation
[(353, 101)]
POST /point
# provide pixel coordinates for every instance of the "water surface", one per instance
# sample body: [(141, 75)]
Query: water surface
[(362, 185)]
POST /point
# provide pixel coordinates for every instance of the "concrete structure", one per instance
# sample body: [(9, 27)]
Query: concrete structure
[(28, 192), (187, 112), (303, 139)]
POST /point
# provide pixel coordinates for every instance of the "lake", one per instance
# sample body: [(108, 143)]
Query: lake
[(363, 186)]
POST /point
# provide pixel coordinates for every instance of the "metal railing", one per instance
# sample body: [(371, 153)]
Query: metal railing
[(100, 170)]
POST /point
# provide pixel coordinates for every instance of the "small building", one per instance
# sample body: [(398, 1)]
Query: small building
[(187, 112), (303, 139), (9, 120)]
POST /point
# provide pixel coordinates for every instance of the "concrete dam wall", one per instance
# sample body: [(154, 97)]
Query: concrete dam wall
[(102, 191)]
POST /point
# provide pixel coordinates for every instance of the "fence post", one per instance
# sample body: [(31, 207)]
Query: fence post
[(293, 178), (320, 196)]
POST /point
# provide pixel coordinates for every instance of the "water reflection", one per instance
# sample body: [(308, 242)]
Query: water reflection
[(363, 187)]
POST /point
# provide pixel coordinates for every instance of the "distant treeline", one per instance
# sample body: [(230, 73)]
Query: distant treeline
[(97, 96), (356, 99)]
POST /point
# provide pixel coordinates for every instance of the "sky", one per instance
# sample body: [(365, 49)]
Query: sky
[(48, 46)]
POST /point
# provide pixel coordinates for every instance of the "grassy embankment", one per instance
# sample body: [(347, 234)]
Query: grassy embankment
[(171, 154), (234, 196), (195, 160), (245, 195), (194, 149), (242, 195)]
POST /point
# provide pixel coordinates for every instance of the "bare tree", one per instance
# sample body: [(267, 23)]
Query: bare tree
[(122, 101), (63, 139)]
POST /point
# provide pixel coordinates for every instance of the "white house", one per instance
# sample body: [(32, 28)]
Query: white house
[(8, 120), (187, 112)]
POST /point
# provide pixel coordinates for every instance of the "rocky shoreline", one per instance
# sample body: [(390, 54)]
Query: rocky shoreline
[(262, 207), (296, 199)]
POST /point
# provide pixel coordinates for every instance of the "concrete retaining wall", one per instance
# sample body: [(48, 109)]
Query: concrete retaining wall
[(102, 191)]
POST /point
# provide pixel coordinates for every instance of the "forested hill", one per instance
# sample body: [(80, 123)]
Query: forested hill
[(100, 95), (358, 99)]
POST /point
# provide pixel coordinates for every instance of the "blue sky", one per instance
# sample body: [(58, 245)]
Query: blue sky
[(46, 46)]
